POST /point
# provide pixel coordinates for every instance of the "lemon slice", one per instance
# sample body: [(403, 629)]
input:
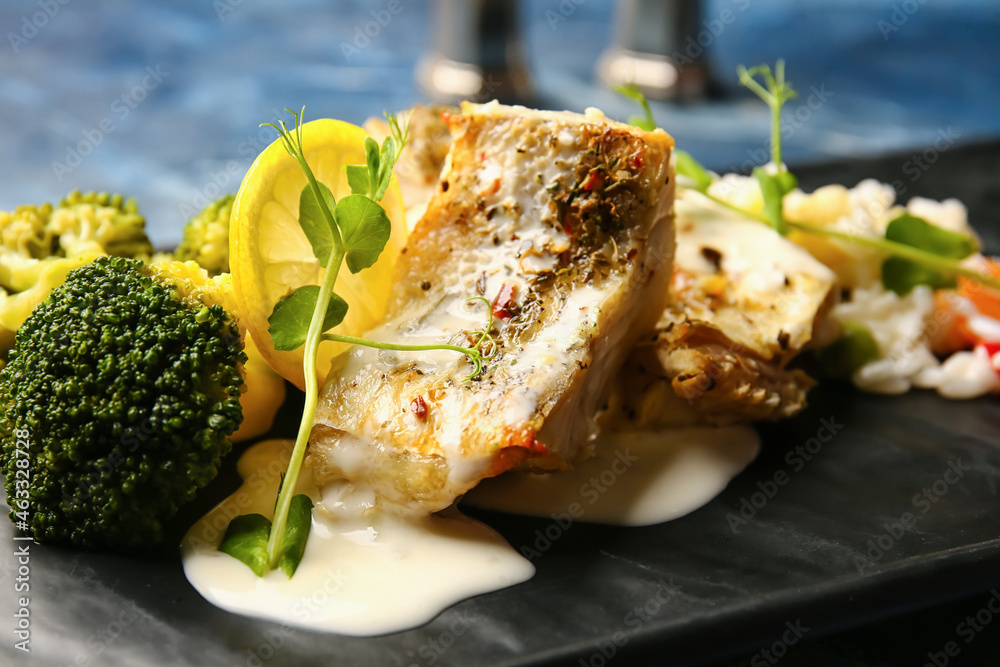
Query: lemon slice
[(270, 256)]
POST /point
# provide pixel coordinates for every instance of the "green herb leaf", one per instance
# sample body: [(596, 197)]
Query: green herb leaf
[(787, 181), (688, 166), (314, 222), (386, 163), (372, 159), (771, 190), (246, 541), (289, 321), (855, 348), (917, 232), (365, 228), (296, 533), (357, 178), (901, 275), (641, 123), (634, 93)]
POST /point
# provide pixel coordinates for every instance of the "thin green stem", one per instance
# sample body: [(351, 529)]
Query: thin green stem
[(944, 264), (475, 355), (313, 339), (776, 125)]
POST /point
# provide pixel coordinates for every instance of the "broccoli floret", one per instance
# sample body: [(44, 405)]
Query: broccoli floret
[(128, 385), (206, 237)]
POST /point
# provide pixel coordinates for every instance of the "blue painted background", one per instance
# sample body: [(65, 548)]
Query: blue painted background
[(165, 98)]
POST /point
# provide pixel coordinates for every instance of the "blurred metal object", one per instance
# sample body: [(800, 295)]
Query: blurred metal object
[(476, 54), (657, 48)]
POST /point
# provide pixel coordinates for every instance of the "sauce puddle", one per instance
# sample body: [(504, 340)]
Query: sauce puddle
[(358, 577), (381, 574), (634, 478)]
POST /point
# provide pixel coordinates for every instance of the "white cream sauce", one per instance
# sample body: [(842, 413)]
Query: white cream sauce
[(633, 479), (377, 574), (363, 577)]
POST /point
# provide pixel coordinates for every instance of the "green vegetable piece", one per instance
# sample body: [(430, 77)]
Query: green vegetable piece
[(127, 391), (855, 348), (357, 178), (771, 190), (296, 534), (289, 321), (365, 228), (688, 166), (901, 275), (206, 237), (246, 541), (917, 232), (633, 92), (315, 224)]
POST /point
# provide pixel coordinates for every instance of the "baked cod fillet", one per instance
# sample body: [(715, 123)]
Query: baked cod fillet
[(563, 223), (743, 302)]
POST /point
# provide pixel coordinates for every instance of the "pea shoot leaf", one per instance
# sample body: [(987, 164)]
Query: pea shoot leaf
[(634, 93), (373, 162), (365, 229), (247, 535), (689, 167), (772, 189), (246, 541), (296, 533), (357, 178), (917, 232), (315, 224), (901, 275), (289, 321)]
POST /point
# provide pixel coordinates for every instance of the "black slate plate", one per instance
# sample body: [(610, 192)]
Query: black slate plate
[(827, 550)]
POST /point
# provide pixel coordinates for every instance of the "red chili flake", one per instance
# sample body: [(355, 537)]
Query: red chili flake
[(503, 304), (418, 407), (637, 161), (595, 180), (631, 253), (482, 156)]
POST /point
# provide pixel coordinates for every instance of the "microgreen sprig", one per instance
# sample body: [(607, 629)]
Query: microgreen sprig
[(917, 252), (353, 230)]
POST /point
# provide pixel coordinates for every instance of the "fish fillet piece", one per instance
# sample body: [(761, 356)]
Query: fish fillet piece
[(744, 302), (564, 223)]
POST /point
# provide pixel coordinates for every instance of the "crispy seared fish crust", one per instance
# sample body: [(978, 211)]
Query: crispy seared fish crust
[(561, 221), (744, 301)]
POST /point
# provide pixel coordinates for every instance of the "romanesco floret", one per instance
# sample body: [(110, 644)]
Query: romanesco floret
[(126, 387), (40, 244), (206, 237)]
